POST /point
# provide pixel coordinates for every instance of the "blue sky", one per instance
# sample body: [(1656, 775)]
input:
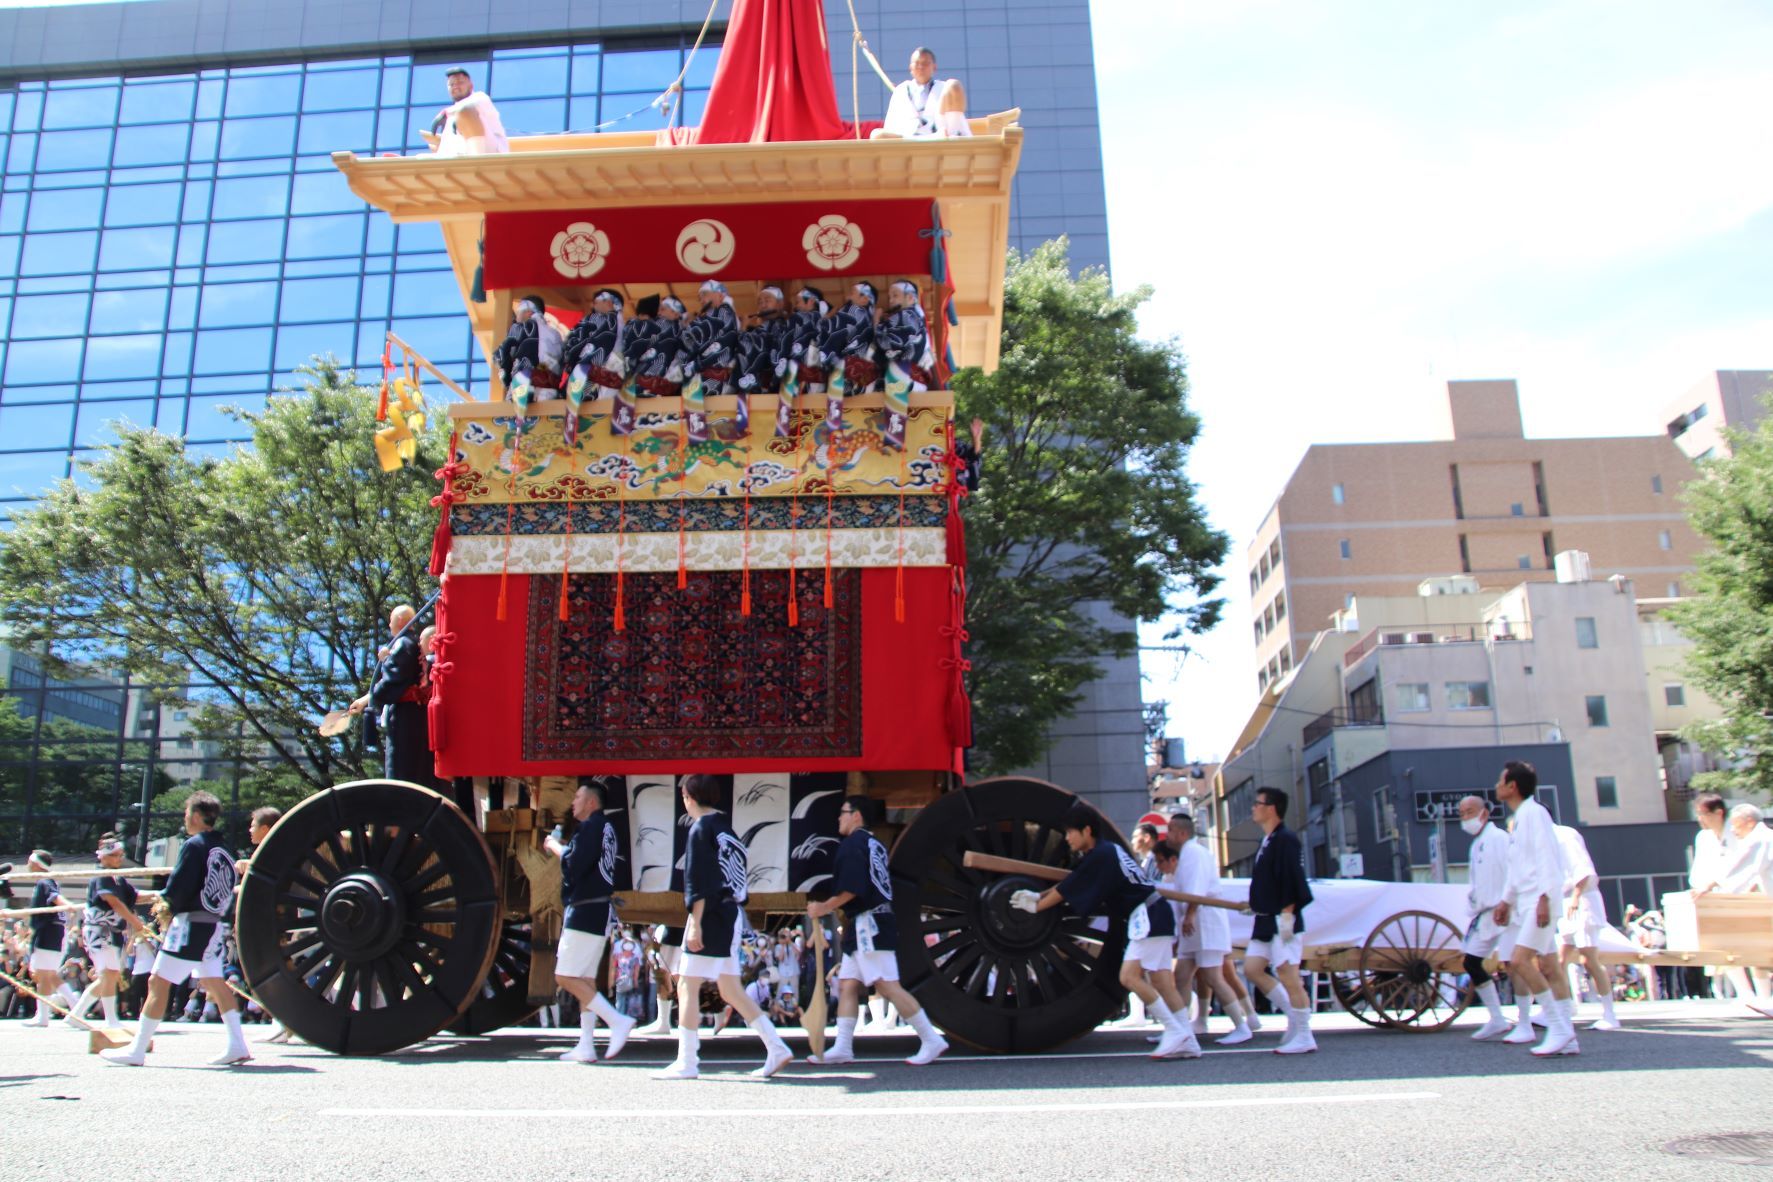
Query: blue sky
[(1343, 205)]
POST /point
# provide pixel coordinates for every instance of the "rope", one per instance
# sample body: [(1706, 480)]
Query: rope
[(860, 41)]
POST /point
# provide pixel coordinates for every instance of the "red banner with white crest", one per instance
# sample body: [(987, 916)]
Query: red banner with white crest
[(691, 243)]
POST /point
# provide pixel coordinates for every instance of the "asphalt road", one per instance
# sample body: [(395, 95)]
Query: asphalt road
[(1370, 1104)]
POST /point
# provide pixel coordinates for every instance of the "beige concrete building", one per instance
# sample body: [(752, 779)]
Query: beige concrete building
[(1726, 398), (1376, 519)]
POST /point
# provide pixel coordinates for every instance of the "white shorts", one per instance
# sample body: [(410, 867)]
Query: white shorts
[(191, 949), (1583, 930), (670, 957), (1211, 942), (176, 970), (1524, 932), (710, 964), (104, 957), (579, 955), (1152, 953), (1277, 951), (868, 967), (43, 960), (1481, 934)]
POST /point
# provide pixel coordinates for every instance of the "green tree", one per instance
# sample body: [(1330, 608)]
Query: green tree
[(265, 575), (1085, 500), (1729, 614)]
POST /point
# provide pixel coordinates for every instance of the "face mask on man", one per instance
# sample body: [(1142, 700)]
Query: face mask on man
[(1473, 825)]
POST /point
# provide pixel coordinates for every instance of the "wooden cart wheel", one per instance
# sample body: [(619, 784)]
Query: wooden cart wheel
[(1410, 972), (503, 999), (369, 917), (993, 977), (1351, 995)]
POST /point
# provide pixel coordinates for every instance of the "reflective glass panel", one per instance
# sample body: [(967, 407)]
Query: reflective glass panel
[(135, 356), (143, 205), (226, 305), (48, 316), (157, 102), (89, 107), (70, 209)]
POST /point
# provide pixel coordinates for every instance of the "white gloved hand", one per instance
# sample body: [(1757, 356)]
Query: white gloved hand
[(1283, 924), (1028, 901)]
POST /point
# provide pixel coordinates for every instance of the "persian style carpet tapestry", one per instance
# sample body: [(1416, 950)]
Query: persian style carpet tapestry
[(691, 677)]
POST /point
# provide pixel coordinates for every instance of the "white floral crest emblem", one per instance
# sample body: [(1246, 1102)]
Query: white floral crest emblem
[(580, 250), (832, 243)]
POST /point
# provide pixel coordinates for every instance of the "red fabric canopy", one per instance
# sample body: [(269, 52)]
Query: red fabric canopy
[(774, 79)]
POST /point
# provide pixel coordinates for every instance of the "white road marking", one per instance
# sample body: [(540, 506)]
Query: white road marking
[(872, 1110)]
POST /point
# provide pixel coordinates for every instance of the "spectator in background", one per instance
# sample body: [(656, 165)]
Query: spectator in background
[(470, 125)]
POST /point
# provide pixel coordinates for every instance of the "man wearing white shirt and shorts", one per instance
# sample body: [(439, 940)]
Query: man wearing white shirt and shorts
[(1528, 911), (1203, 934), (1585, 917), (1489, 881)]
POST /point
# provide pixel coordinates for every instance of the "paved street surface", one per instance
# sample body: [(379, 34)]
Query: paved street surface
[(1370, 1104)]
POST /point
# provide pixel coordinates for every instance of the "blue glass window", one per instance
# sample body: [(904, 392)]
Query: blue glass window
[(233, 350), (135, 356), (323, 192), (48, 424), (533, 116), (227, 305), (32, 472), (353, 131), (424, 294), (274, 95), (38, 362), (154, 143), (28, 108), (251, 197), (210, 418), (58, 150), (157, 102), (632, 111), (130, 250), (528, 78), (299, 344), (251, 139), (341, 90), (141, 310), (59, 254), (244, 242), (48, 316), (642, 69), (316, 299), (89, 107), (320, 237), (98, 421), (143, 205), (70, 209)]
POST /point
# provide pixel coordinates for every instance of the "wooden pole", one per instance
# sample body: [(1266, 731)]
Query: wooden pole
[(419, 360), (101, 872), (991, 862), (813, 1009), (97, 1034)]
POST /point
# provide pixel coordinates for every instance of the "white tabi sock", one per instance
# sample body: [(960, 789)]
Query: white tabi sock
[(1492, 1001), (1555, 1017), (846, 1036), (1607, 1006), (925, 1028), (601, 1008), (1135, 1008), (1233, 1010), (1283, 1004), (67, 994), (1299, 1021), (688, 1046), (45, 1011), (1166, 1017), (587, 1028), (144, 1034), (1526, 1003), (236, 1032), (766, 1030), (85, 1001), (109, 1002)]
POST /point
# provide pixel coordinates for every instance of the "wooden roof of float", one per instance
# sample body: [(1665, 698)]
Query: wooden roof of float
[(970, 177)]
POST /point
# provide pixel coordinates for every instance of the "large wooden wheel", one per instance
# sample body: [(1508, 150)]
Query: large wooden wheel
[(996, 978), (503, 998), (1349, 989), (369, 916), (1409, 972)]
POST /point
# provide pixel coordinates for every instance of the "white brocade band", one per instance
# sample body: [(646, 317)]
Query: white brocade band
[(769, 550)]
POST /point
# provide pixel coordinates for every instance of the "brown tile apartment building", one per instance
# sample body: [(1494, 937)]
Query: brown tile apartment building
[(1378, 518)]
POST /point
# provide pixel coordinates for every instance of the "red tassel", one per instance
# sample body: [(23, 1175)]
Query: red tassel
[(505, 562), (793, 600), (500, 614), (898, 596), (382, 403), (566, 569), (620, 620), (830, 501), (745, 596), (440, 538)]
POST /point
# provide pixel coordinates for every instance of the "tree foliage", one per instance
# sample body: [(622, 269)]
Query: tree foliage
[(1729, 614), (1085, 501), (265, 575)]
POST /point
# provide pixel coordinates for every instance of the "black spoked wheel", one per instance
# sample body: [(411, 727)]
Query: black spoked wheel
[(503, 999), (369, 916), (1410, 972), (996, 978)]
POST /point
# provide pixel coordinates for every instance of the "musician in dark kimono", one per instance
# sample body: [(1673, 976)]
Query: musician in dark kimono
[(712, 338), (529, 356), (716, 883), (1107, 881), (904, 341), (659, 357), (398, 699), (849, 346), (806, 329)]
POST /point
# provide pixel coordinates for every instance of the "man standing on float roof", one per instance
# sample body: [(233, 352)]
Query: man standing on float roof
[(716, 883), (870, 937), (1107, 880), (587, 883)]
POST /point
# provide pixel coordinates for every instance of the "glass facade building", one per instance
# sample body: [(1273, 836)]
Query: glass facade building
[(175, 244)]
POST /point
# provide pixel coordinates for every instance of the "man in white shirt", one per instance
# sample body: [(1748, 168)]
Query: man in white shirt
[(1585, 917), (470, 125), (1203, 934), (1528, 910), (1749, 868), (914, 111), (1713, 845), (1489, 880)]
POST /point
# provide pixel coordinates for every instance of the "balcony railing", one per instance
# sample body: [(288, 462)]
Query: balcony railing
[(1500, 631), (1330, 720)]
